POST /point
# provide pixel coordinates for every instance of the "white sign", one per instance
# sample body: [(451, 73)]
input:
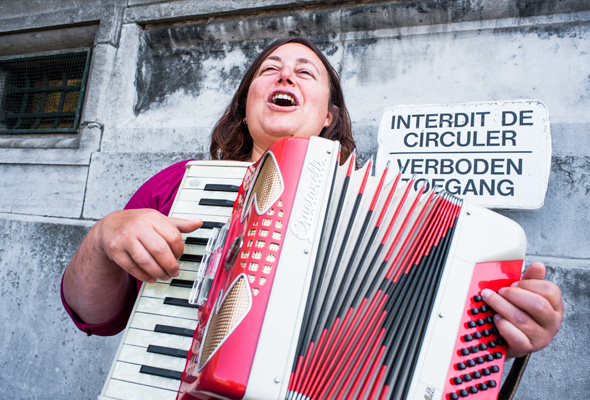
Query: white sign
[(495, 154)]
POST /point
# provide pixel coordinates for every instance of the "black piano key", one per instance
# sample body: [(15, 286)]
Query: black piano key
[(216, 202), (191, 257), (196, 240), (167, 351), (212, 224), (184, 283), (216, 187), (174, 330), (165, 373), (173, 301)]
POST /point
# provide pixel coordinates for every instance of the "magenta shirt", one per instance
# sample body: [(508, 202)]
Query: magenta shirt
[(157, 193)]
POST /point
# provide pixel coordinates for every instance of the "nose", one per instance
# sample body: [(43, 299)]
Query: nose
[(285, 76)]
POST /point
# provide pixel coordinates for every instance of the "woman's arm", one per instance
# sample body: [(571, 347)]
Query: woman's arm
[(143, 243)]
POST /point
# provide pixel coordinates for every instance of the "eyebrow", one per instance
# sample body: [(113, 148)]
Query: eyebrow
[(300, 60)]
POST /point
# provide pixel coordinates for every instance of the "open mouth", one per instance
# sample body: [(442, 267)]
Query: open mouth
[(283, 100)]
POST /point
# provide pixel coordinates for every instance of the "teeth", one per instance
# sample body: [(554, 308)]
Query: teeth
[(283, 97)]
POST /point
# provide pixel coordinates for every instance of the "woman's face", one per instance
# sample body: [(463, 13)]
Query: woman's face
[(289, 96)]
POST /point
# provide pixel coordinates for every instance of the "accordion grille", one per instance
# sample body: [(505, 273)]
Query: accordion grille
[(268, 185), (234, 307)]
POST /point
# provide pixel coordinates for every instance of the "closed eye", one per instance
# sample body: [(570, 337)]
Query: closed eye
[(306, 72), (269, 68)]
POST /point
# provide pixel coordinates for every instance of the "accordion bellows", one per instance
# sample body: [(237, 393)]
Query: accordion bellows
[(335, 282)]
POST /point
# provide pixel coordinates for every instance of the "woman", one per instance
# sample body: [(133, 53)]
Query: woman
[(290, 90)]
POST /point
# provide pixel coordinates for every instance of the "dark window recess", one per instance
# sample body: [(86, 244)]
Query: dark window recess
[(43, 94)]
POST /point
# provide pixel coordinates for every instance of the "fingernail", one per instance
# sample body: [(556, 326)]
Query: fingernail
[(176, 273), (497, 318), (486, 293), (501, 291), (514, 284)]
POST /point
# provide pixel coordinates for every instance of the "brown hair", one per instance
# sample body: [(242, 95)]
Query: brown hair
[(231, 139)]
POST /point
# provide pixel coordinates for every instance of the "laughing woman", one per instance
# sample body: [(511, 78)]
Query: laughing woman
[(290, 90)]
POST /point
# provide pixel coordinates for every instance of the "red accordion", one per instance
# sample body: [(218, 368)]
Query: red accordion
[(333, 282)]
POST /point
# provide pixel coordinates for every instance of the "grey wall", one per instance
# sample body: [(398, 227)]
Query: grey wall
[(161, 74)]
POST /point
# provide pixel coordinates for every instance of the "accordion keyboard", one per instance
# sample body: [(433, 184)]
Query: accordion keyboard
[(153, 351)]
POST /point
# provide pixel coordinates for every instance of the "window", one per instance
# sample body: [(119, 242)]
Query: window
[(43, 94)]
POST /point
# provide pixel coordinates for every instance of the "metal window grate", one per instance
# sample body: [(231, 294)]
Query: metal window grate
[(43, 94)]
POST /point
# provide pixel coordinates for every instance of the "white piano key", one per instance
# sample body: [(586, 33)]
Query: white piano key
[(162, 290), (211, 218), (200, 182), (188, 235), (141, 338), (196, 249), (130, 373), (204, 212), (205, 233), (186, 275), (123, 390), (195, 195), (157, 306), (149, 321), (189, 266), (215, 172), (140, 356)]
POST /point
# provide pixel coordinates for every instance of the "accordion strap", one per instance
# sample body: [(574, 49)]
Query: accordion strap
[(513, 379)]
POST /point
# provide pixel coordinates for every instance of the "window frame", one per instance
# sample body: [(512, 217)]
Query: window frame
[(77, 116)]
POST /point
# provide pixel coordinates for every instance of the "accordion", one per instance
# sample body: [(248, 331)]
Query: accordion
[(335, 282)]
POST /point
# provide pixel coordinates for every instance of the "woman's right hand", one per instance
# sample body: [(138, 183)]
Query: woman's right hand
[(144, 242)]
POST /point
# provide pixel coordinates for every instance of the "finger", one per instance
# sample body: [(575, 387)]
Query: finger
[(168, 231), (141, 254), (503, 307), (125, 261), (518, 342), (545, 289), (158, 258), (172, 232), (510, 322), (538, 329), (536, 270), (527, 304), (187, 225)]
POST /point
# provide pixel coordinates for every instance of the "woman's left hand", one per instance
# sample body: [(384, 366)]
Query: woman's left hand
[(529, 312)]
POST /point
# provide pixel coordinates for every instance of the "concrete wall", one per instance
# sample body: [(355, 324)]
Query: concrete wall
[(161, 74)]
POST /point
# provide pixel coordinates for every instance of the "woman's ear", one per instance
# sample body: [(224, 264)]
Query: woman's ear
[(333, 112)]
